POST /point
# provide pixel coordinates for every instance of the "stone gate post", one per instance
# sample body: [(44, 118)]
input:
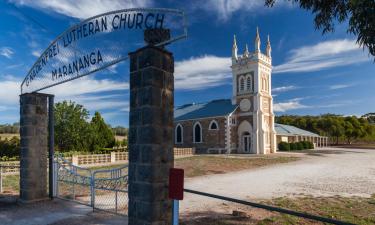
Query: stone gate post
[(150, 132), (34, 146)]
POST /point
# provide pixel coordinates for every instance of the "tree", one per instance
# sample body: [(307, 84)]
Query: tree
[(103, 136), (72, 131), (361, 15)]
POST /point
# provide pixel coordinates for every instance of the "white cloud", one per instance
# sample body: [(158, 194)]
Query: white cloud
[(83, 8), (75, 91), (284, 89), (322, 56), (36, 53), (202, 72), (289, 105), (6, 52), (339, 86), (225, 9), (87, 85)]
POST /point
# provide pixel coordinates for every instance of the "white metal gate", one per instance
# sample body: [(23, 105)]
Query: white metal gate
[(105, 190)]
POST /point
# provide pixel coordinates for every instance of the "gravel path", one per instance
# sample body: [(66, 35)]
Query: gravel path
[(344, 172)]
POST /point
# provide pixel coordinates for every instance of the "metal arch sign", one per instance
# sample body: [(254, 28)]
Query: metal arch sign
[(98, 43)]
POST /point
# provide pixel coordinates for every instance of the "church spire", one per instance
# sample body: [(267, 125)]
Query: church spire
[(268, 48), (246, 53), (234, 48), (257, 42)]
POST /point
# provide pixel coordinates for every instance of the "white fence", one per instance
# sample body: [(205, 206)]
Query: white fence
[(95, 159)]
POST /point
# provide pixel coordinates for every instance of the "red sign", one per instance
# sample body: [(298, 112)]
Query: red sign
[(176, 183)]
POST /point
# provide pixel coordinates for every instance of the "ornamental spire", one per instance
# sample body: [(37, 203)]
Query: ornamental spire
[(246, 53), (257, 41), (234, 48), (268, 48)]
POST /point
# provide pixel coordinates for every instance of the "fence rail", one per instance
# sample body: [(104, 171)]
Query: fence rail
[(93, 159)]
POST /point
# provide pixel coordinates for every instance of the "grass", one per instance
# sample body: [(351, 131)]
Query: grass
[(9, 136), (11, 184), (205, 165), (354, 210), (359, 145)]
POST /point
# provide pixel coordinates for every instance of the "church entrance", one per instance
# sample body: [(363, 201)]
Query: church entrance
[(246, 142)]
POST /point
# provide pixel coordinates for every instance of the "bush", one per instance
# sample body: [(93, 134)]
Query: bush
[(299, 146), (284, 146), (293, 146), (9, 149), (311, 145)]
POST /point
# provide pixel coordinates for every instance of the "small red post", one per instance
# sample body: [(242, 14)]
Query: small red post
[(176, 184), (176, 191)]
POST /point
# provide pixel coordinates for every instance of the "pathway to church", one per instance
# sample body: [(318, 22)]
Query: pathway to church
[(330, 172)]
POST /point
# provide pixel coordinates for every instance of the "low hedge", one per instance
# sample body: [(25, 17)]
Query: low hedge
[(301, 145)]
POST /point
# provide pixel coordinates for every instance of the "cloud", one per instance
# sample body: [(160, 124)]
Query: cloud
[(322, 56), (284, 89), (82, 9), (339, 86), (36, 53), (225, 9), (288, 105), (202, 72), (76, 91), (6, 52)]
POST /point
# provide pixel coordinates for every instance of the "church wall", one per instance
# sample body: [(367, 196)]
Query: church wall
[(213, 141)]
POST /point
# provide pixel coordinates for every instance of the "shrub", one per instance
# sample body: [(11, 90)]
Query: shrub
[(311, 145), (299, 146), (284, 146), (305, 144), (293, 146)]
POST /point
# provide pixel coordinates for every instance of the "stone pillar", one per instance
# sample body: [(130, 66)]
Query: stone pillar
[(150, 135), (34, 147)]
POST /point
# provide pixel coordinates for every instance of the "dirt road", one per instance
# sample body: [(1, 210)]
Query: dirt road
[(344, 172)]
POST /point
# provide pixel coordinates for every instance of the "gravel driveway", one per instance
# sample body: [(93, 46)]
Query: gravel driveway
[(328, 172)]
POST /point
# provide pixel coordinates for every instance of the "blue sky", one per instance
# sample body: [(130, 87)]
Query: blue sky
[(313, 74)]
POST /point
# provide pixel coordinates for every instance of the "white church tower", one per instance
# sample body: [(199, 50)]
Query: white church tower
[(252, 92)]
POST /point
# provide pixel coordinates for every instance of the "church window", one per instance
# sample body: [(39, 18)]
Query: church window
[(233, 121), (214, 125), (197, 133), (248, 84), (179, 134), (242, 84)]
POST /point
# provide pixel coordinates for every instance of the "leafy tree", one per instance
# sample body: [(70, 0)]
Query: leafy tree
[(360, 13), (72, 131), (103, 136)]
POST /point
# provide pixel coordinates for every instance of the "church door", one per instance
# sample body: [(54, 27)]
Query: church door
[(246, 143)]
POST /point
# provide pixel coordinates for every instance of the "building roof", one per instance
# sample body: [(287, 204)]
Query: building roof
[(215, 108), (287, 130), (223, 107)]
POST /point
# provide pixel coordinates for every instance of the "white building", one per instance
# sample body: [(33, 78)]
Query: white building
[(244, 124)]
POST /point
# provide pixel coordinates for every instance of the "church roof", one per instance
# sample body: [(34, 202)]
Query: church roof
[(220, 107), (282, 129)]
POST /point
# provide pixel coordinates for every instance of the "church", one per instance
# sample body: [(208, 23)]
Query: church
[(245, 123)]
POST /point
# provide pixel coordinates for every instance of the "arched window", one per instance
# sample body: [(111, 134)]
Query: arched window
[(213, 125), (242, 84), (197, 133), (248, 83), (179, 134)]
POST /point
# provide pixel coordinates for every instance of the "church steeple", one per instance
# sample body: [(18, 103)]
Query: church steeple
[(257, 41), (234, 49), (246, 53), (268, 48)]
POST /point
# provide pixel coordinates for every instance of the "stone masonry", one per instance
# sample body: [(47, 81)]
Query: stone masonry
[(150, 135), (34, 147)]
